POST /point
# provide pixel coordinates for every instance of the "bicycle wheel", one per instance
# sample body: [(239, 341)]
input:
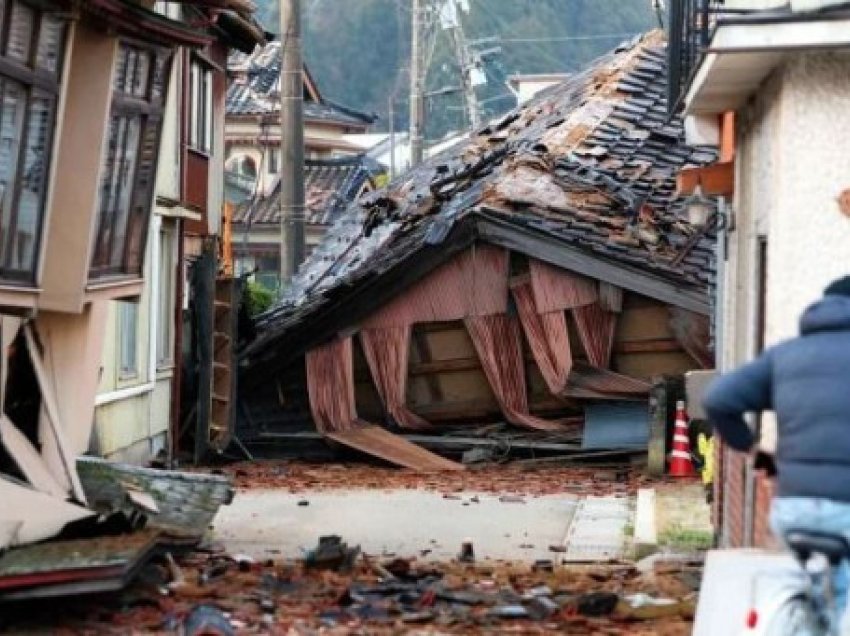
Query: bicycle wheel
[(796, 617)]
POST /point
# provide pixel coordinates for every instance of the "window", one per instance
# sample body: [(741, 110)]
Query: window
[(248, 168), (31, 44), (165, 302), (129, 169), (128, 341), (200, 111), (274, 159)]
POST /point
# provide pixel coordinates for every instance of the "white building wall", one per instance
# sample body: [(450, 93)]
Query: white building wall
[(793, 160), (810, 238)]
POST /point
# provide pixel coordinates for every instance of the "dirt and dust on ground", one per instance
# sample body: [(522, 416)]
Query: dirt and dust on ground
[(338, 586)]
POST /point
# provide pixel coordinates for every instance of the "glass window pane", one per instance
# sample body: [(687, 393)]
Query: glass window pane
[(121, 69), (142, 76), (12, 109), (32, 184), (165, 309), (20, 32), (50, 42), (137, 230), (160, 78), (108, 193), (126, 172), (128, 319), (208, 134)]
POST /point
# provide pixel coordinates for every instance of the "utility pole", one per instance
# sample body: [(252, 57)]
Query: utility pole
[(466, 69), (392, 135), (291, 141), (417, 82)]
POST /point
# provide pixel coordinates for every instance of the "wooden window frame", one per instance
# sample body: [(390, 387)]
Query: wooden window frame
[(201, 98), (166, 270), (148, 108), (34, 82), (126, 371)]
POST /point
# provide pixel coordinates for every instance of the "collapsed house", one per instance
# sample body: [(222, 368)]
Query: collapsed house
[(542, 274)]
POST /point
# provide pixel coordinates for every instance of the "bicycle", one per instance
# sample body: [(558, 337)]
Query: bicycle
[(800, 603)]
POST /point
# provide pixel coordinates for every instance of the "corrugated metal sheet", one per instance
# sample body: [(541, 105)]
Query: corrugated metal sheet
[(601, 382), (618, 425)]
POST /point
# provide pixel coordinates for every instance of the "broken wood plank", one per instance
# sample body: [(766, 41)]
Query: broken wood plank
[(567, 460), (655, 345), (28, 460), (49, 401), (380, 443)]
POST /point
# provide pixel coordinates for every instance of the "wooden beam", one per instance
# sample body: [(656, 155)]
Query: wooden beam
[(727, 137), (559, 253), (717, 179), (657, 345), (423, 349), (454, 365)]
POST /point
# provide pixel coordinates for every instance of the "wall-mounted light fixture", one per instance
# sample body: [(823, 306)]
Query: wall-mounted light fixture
[(704, 213)]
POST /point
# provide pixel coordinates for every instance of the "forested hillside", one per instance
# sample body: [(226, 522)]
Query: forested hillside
[(358, 49)]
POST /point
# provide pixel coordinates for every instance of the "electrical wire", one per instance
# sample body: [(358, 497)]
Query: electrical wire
[(569, 38)]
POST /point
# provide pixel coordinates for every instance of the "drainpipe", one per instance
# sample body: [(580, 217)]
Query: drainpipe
[(720, 352), (177, 375)]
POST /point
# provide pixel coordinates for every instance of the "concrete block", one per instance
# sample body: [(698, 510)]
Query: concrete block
[(646, 529)]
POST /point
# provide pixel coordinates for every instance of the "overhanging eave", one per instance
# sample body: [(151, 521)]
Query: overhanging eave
[(740, 57)]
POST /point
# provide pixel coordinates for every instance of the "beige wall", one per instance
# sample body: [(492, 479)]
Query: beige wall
[(132, 416), (793, 161)]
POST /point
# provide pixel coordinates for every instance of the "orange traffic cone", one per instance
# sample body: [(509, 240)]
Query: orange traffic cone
[(680, 457)]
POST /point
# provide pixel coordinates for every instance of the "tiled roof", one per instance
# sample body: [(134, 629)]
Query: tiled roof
[(590, 166), (256, 90), (330, 185)]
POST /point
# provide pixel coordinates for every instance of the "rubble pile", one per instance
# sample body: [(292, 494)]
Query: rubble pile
[(499, 479), (231, 594)]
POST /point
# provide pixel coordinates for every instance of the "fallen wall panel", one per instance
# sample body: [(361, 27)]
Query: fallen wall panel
[(375, 441)]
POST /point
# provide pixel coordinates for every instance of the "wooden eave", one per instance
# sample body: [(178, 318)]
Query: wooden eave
[(138, 22)]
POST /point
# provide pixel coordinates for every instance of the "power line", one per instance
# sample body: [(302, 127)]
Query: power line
[(568, 38)]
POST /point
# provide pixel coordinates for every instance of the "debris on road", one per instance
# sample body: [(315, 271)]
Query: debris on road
[(507, 480), (331, 554), (285, 597)]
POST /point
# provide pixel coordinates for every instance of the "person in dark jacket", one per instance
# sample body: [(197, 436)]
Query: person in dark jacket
[(806, 382)]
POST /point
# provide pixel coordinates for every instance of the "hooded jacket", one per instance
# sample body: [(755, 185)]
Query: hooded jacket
[(806, 381)]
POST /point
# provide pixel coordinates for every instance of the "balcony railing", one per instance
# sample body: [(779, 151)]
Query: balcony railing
[(691, 23)]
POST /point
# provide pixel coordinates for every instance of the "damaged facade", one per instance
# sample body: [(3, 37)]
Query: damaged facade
[(92, 91), (541, 273)]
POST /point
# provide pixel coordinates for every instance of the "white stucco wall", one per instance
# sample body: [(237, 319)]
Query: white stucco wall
[(809, 237), (793, 160)]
